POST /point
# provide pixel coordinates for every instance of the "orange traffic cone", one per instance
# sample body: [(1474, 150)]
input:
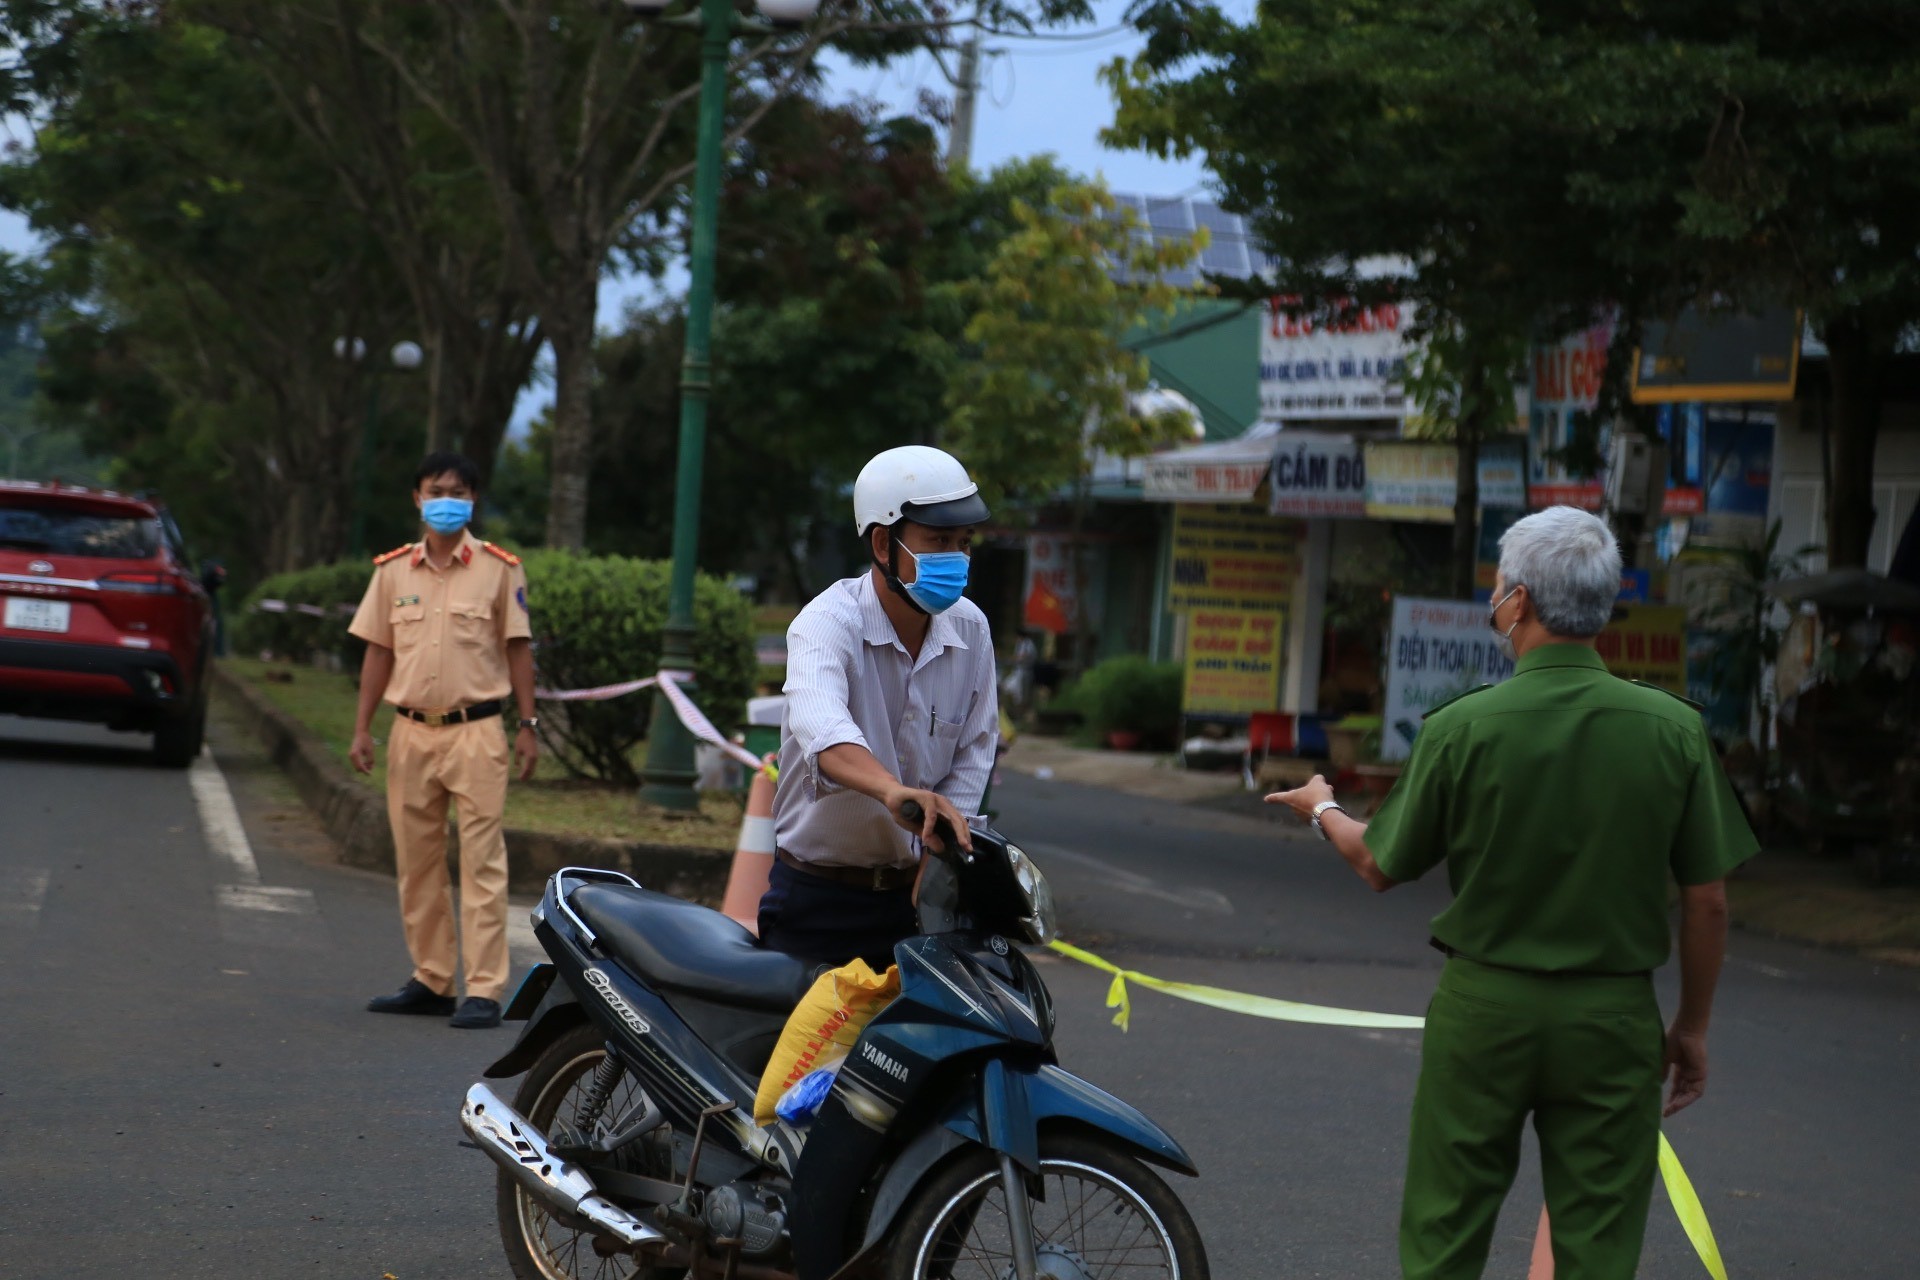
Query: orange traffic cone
[(753, 860), (1542, 1267)]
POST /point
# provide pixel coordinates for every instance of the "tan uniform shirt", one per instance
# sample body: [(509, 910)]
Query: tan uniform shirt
[(448, 628)]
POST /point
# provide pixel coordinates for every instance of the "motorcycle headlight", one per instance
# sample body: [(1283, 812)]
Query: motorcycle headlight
[(1038, 922)]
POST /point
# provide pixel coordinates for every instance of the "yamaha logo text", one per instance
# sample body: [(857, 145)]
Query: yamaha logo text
[(885, 1063)]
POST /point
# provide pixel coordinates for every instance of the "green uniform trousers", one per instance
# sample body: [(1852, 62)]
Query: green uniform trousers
[(1583, 1055)]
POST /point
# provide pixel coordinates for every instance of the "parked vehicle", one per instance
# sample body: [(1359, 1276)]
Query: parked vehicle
[(104, 619), (952, 1144)]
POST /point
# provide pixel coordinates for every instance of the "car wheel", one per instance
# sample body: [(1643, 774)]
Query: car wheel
[(177, 742)]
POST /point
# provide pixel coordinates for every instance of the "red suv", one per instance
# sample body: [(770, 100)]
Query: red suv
[(105, 619)]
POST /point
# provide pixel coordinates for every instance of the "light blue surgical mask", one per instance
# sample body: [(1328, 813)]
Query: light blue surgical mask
[(446, 515), (940, 577)]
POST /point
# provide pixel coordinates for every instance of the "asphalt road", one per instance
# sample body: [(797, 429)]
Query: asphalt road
[(189, 1087)]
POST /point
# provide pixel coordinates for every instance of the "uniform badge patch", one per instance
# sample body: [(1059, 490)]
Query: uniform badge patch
[(520, 598), (401, 602)]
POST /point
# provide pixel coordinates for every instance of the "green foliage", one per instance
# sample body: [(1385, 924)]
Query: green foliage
[(291, 632), (1051, 375), (597, 620), (1130, 693)]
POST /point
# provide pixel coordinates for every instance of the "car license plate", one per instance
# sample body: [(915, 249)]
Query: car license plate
[(38, 615)]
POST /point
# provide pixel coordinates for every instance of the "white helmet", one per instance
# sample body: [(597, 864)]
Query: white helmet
[(918, 483)]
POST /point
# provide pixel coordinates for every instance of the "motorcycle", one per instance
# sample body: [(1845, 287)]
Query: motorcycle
[(952, 1145)]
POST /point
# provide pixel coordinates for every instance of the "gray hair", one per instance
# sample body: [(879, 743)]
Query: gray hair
[(1569, 563)]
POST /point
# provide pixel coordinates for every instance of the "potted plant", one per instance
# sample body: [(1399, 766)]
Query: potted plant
[(1346, 740), (1131, 701)]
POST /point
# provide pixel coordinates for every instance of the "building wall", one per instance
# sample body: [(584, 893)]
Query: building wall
[(1209, 352), (1798, 494)]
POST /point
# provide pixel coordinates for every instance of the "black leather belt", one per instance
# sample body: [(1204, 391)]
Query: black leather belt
[(478, 711), (879, 879)]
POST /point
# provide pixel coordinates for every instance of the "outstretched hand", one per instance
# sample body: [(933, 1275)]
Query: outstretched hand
[(1302, 798)]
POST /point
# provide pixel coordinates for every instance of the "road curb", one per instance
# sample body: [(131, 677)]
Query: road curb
[(355, 816)]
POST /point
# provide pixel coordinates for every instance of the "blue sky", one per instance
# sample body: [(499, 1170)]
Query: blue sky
[(1039, 95)]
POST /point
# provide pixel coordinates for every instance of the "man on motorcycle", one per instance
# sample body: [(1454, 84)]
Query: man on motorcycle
[(890, 699)]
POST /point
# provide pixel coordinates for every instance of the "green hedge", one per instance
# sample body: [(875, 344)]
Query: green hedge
[(597, 620), (335, 588), (1129, 693)]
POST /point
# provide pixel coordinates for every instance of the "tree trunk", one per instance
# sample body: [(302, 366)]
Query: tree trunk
[(571, 465), (1857, 362), (1466, 500)]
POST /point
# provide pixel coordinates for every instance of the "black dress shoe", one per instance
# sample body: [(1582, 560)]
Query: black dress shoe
[(476, 1012), (414, 997)]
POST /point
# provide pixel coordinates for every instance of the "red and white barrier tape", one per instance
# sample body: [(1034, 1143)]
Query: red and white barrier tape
[(669, 681)]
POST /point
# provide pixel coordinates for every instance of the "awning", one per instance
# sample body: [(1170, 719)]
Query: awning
[(1229, 471)]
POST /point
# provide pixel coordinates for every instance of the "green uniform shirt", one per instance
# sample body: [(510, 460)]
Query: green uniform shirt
[(1559, 801)]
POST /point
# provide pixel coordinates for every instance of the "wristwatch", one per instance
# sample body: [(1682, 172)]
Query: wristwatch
[(1321, 808), (529, 722)]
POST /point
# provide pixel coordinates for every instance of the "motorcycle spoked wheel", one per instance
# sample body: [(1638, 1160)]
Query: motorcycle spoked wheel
[(539, 1247), (1104, 1214)]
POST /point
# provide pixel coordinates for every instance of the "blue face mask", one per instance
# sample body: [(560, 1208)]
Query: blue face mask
[(939, 579), (446, 515)]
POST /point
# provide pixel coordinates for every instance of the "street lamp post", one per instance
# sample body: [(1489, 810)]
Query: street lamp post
[(405, 357), (670, 773)]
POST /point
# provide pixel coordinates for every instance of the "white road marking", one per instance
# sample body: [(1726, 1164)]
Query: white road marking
[(221, 821), (266, 897), (23, 891), (1193, 898)]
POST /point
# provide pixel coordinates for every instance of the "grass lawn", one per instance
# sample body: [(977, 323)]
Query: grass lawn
[(552, 802)]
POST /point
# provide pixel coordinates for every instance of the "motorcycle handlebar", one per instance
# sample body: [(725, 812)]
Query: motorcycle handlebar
[(949, 842)]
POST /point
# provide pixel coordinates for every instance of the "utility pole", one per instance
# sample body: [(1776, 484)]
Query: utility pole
[(965, 90)]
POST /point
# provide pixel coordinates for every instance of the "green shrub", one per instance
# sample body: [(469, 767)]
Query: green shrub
[(597, 620), (335, 589), (1130, 694)]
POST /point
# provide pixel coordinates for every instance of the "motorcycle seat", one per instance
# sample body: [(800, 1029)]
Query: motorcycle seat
[(681, 946)]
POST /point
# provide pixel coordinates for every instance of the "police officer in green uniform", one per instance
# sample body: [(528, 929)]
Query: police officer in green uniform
[(1560, 801)]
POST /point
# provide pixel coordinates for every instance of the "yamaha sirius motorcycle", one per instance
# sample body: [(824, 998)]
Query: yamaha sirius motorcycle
[(952, 1145)]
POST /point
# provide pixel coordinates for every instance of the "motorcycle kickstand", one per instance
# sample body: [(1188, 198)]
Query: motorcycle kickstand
[(1019, 1220)]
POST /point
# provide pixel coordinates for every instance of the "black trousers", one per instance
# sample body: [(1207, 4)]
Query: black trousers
[(825, 922)]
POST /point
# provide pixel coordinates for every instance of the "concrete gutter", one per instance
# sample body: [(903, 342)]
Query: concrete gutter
[(355, 815)]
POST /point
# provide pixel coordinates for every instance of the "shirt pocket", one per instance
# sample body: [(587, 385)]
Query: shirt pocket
[(942, 743), (409, 627), (472, 622)]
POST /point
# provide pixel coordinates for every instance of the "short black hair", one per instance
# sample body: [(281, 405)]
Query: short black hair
[(443, 461)]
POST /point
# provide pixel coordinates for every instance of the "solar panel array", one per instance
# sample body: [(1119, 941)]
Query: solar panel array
[(1231, 250)]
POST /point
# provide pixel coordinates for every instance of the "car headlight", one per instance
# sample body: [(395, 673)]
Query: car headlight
[(1038, 922)]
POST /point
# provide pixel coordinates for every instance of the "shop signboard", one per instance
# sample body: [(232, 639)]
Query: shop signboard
[(1232, 558), (1414, 480), (1706, 356), (1647, 642), (1235, 658), (1315, 369), (1566, 382), (1440, 649), (1317, 475), (1207, 474)]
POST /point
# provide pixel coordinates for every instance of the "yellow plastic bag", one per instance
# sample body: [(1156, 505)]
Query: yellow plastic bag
[(831, 1016)]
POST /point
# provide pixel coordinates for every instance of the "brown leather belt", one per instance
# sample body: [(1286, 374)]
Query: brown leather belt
[(478, 711), (878, 879)]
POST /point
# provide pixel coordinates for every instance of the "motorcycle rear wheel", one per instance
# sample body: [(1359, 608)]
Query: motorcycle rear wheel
[(1105, 1214), (538, 1246)]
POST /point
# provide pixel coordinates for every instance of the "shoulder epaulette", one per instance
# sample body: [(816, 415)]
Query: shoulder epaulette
[(502, 552), (1464, 693), (394, 554), (1677, 697)]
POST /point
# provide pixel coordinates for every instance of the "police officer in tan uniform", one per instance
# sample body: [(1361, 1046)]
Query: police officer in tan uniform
[(449, 645)]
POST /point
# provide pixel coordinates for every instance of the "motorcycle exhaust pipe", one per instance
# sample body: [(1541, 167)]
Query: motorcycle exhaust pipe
[(516, 1146)]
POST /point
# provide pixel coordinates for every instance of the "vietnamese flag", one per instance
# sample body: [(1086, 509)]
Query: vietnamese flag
[(1046, 611)]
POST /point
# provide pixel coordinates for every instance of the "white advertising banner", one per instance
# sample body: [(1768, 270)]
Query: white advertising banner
[(1351, 368), (1228, 472), (1441, 648)]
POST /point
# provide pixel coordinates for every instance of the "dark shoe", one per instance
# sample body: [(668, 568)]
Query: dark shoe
[(476, 1012), (414, 997)]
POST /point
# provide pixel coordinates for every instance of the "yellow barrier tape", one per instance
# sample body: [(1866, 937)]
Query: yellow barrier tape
[(1686, 1204), (1686, 1207), (1232, 1001)]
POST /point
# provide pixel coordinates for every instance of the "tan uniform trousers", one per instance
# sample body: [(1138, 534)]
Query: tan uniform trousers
[(428, 766)]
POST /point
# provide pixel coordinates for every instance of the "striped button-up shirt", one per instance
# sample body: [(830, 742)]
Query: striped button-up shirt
[(931, 721)]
